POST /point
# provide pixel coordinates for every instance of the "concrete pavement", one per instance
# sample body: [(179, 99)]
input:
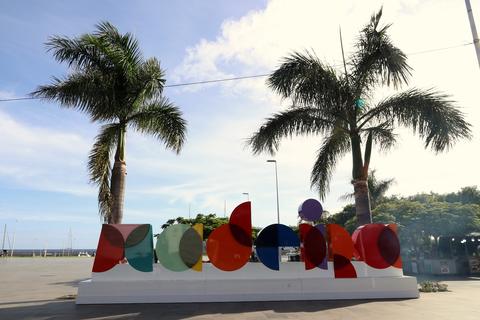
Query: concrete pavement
[(31, 287)]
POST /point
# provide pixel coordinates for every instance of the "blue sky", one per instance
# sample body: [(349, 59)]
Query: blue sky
[(44, 188)]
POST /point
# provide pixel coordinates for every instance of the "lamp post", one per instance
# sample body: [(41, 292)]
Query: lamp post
[(246, 194), (476, 42), (276, 184), (464, 242)]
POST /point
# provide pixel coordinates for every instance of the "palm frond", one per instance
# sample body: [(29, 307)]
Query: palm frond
[(378, 188), (88, 92), (149, 83), (307, 81), (76, 52), (381, 188), (295, 120), (331, 151), (163, 120), (99, 50), (382, 135), (430, 114), (154, 77), (106, 50), (377, 59), (126, 45), (347, 197), (99, 165)]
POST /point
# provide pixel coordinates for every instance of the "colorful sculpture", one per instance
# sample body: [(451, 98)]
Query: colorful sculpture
[(180, 247), (270, 239), (118, 242), (314, 246), (229, 247)]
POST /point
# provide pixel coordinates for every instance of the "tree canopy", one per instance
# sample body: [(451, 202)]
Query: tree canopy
[(423, 218)]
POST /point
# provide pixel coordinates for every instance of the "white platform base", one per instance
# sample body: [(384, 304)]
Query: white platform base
[(253, 282)]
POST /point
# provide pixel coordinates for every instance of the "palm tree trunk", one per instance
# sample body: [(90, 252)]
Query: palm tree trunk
[(360, 185), (362, 202), (117, 184), (119, 173)]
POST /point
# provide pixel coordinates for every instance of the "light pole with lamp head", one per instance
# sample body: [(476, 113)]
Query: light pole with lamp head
[(276, 184), (278, 206), (464, 242)]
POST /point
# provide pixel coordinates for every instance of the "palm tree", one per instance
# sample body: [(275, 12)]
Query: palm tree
[(340, 106), (111, 82)]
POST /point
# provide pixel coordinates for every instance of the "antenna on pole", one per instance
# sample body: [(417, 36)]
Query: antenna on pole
[(476, 42), (343, 54)]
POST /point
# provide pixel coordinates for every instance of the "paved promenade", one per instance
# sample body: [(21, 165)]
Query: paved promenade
[(39, 288)]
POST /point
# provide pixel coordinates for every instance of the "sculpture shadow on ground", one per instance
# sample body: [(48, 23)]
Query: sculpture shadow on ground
[(73, 283), (69, 310)]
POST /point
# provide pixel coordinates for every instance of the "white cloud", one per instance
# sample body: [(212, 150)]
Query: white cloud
[(41, 158), (6, 94)]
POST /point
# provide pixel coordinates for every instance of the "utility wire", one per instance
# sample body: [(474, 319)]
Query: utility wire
[(252, 76), (17, 99), (216, 80), (440, 49)]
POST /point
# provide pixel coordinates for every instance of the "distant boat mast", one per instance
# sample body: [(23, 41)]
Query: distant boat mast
[(4, 235)]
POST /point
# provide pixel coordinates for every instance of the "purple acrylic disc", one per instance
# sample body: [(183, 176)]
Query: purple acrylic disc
[(310, 210)]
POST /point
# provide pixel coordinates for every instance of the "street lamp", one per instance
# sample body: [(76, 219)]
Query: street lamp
[(276, 184), (464, 242), (246, 194)]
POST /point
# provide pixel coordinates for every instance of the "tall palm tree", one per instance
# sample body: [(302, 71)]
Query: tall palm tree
[(340, 106), (111, 82)]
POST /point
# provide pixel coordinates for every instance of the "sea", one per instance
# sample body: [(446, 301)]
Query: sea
[(49, 252)]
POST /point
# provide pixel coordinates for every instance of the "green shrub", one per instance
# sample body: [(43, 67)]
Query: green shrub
[(432, 286)]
